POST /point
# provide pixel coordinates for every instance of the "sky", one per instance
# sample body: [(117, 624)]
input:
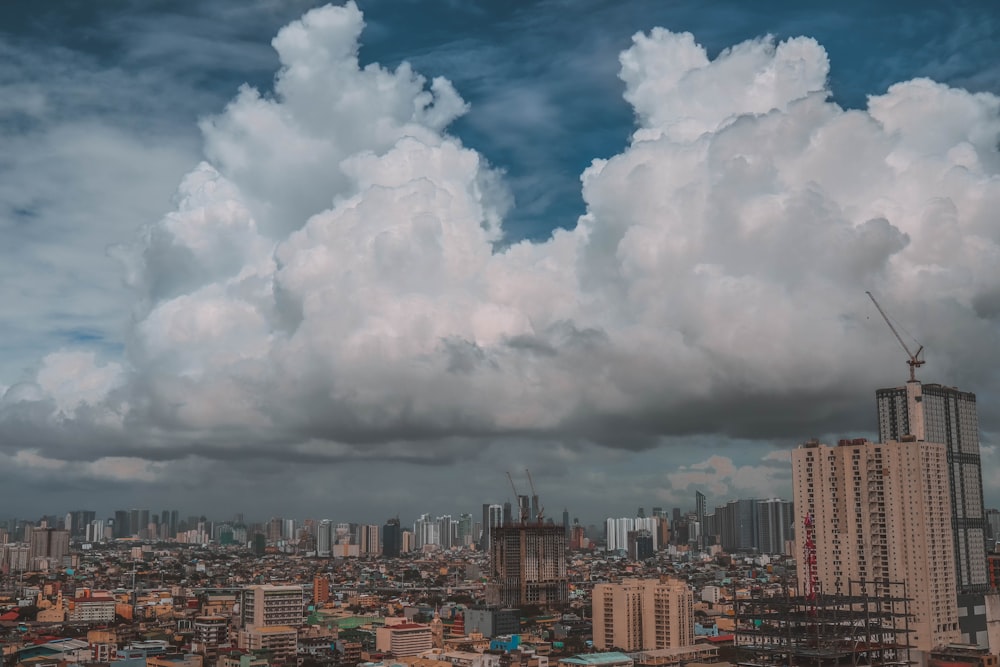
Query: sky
[(353, 261)]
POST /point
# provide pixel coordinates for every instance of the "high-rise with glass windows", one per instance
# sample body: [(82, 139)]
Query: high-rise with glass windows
[(935, 413)]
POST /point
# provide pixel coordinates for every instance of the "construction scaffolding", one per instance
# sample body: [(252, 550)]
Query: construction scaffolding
[(867, 627)]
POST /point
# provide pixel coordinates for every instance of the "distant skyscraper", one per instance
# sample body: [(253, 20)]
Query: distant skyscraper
[(392, 538), (493, 517), (737, 525), (324, 538), (775, 525), (934, 413), (565, 523), (699, 510), (879, 515)]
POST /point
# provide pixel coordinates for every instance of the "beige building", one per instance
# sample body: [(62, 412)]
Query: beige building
[(403, 639), (279, 642), (881, 512), (269, 605), (643, 615)]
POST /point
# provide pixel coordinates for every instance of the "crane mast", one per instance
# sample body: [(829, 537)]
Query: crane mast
[(914, 360)]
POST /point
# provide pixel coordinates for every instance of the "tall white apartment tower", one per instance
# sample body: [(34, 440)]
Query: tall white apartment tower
[(881, 513), (934, 413)]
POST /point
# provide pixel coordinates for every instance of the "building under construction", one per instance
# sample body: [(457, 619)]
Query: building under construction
[(867, 626), (528, 558)]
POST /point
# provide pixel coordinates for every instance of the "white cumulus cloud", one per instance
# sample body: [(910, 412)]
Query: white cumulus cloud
[(336, 271)]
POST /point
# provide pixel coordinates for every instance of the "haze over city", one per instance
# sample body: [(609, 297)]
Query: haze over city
[(293, 259)]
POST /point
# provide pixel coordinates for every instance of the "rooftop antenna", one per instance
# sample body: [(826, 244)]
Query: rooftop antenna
[(914, 360)]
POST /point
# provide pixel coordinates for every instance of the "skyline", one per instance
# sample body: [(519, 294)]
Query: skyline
[(410, 261)]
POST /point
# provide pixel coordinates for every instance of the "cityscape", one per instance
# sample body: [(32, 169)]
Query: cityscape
[(499, 334)]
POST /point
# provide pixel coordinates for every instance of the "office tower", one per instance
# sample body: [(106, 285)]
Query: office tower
[(676, 514), (879, 514), (288, 530), (640, 544), (736, 525), (565, 524), (80, 519), (643, 615), (268, 605), (699, 511), (508, 515), (427, 531), (934, 413), (528, 566), (121, 524), (464, 536), (616, 531), (392, 538), (493, 517), (775, 525), (524, 507), (444, 531), (142, 529), (324, 538), (370, 543)]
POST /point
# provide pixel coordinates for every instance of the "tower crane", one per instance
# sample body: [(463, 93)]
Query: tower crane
[(914, 360)]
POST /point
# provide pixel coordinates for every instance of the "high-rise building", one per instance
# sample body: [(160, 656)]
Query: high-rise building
[(699, 511), (528, 566), (48, 546), (392, 538), (879, 515), (774, 529), (617, 530), (737, 525), (643, 615), (934, 413), (493, 517), (324, 538), (370, 543)]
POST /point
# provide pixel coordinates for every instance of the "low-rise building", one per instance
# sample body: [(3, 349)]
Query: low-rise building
[(404, 639)]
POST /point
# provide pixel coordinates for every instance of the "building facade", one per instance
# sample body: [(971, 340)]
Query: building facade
[(643, 615), (404, 639), (268, 605), (935, 413), (880, 516)]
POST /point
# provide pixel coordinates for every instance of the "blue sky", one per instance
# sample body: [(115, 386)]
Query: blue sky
[(108, 108)]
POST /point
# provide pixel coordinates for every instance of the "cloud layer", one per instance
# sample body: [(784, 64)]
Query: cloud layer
[(334, 282)]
